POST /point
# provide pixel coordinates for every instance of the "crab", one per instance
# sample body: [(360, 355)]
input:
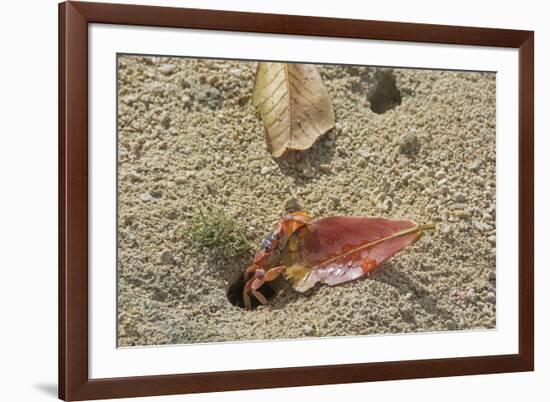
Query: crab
[(331, 250), (266, 266)]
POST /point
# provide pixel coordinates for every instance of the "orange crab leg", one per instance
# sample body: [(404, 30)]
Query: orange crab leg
[(255, 283), (246, 297), (250, 270), (273, 273), (259, 296)]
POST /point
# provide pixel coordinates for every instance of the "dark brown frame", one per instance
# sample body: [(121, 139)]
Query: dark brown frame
[(74, 383)]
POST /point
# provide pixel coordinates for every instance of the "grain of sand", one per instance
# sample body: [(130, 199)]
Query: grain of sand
[(189, 137)]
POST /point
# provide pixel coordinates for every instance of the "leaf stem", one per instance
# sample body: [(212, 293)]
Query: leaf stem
[(428, 226)]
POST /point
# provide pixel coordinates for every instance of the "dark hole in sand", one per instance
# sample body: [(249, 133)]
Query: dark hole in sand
[(235, 293), (385, 95)]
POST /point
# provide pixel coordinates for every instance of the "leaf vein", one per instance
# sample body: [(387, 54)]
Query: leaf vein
[(268, 112)]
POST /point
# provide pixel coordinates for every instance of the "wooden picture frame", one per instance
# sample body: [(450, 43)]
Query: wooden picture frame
[(74, 381)]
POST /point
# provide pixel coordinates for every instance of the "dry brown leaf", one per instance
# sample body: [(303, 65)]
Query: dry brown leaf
[(294, 104)]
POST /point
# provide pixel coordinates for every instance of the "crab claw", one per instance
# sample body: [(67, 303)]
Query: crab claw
[(249, 271), (257, 281)]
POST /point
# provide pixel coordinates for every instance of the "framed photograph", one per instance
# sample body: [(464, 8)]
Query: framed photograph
[(259, 200)]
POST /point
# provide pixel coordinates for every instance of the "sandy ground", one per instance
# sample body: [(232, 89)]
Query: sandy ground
[(190, 137)]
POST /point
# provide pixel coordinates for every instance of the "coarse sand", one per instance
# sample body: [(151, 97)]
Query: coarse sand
[(409, 144)]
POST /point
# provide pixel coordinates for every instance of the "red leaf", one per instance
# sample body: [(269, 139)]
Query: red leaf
[(340, 249)]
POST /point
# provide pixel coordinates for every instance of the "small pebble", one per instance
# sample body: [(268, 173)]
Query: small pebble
[(165, 122), (442, 182), (491, 298), (265, 170), (309, 172), (418, 184), (492, 239), (208, 95), (325, 168), (146, 197), (214, 79), (167, 69), (236, 72), (385, 205), (409, 144), (338, 127), (407, 176), (364, 151), (157, 88), (471, 295), (186, 100), (445, 229), (308, 329), (461, 213), (440, 175), (482, 227), (166, 257), (408, 314), (451, 325), (459, 197), (129, 99), (476, 165), (134, 177)]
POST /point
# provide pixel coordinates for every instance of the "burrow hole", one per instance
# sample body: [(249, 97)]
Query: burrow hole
[(384, 95), (235, 292)]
